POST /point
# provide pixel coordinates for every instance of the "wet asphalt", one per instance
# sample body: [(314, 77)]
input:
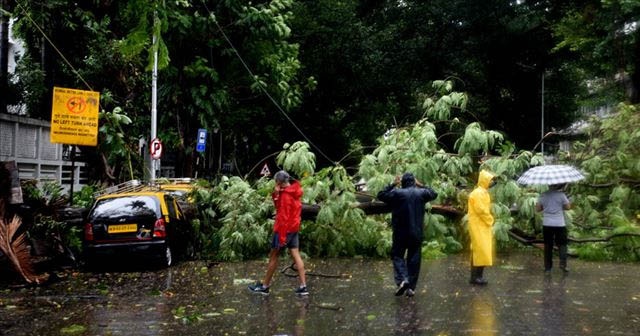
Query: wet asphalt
[(348, 297)]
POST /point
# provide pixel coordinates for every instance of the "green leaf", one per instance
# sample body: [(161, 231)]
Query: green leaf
[(74, 329)]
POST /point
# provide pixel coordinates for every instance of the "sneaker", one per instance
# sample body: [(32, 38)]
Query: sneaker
[(259, 288), (402, 287), (302, 291), (410, 292), (564, 269)]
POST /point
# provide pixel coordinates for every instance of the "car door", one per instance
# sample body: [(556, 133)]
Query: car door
[(177, 224)]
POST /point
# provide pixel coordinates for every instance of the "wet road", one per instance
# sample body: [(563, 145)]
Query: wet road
[(197, 298)]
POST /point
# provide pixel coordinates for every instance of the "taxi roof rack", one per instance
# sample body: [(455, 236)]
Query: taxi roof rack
[(137, 185), (129, 186), (173, 180)]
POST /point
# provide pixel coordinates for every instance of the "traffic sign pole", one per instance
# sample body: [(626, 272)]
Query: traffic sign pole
[(154, 164)]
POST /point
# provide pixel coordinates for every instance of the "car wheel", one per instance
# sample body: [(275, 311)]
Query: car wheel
[(166, 259)]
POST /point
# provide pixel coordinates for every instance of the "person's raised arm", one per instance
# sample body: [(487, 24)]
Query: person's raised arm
[(386, 194)]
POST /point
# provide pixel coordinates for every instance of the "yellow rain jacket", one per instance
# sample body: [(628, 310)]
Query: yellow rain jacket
[(481, 221)]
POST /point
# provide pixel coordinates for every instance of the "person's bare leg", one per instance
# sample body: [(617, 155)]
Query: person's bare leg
[(297, 259), (271, 268)]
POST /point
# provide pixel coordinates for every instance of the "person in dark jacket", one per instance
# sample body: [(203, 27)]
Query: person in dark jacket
[(407, 221)]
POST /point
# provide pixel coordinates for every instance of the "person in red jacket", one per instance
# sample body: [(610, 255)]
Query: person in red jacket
[(286, 198)]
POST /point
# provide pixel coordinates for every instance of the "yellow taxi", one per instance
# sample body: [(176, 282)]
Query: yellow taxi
[(181, 188), (178, 187), (136, 220)]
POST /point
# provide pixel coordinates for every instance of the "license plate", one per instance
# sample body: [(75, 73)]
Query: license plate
[(122, 228)]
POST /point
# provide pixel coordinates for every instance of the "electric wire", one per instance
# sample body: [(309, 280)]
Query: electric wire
[(75, 71), (262, 88), (224, 35)]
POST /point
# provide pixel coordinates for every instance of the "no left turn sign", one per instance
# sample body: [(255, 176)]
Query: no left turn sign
[(156, 149)]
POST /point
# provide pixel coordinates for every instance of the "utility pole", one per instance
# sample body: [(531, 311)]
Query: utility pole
[(154, 164)]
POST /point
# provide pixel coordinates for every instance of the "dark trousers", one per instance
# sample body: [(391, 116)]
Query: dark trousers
[(557, 235), (406, 268)]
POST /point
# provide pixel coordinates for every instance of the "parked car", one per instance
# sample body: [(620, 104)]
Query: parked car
[(146, 222), (181, 189)]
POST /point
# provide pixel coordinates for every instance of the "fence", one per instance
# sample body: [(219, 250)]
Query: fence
[(26, 141)]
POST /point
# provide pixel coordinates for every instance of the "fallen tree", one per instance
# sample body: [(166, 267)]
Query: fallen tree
[(310, 211), (528, 239)]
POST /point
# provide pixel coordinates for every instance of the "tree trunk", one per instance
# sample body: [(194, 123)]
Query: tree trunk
[(370, 206)]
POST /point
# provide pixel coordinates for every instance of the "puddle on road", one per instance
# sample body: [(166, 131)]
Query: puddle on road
[(348, 297)]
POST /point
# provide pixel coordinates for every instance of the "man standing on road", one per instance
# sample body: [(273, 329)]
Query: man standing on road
[(407, 221), (481, 227), (287, 199)]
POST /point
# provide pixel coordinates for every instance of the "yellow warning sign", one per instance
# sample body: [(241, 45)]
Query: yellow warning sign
[(74, 117)]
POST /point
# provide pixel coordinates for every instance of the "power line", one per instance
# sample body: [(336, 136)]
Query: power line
[(262, 88), (244, 64), (26, 14)]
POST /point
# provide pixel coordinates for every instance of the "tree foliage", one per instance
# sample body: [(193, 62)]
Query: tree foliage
[(245, 70), (115, 145), (343, 229), (606, 205), (608, 202), (354, 66), (605, 34), (371, 59), (220, 64)]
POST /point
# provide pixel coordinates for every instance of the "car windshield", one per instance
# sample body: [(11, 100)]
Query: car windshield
[(129, 206)]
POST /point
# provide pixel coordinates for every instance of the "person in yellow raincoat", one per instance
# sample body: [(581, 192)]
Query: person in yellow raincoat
[(481, 227)]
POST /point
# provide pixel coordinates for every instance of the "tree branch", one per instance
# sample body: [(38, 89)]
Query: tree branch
[(527, 239)]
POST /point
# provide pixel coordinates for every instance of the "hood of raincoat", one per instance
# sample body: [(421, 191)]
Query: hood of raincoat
[(481, 221), (408, 180), (484, 180)]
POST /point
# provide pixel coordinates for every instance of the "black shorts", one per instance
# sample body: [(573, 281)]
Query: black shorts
[(293, 241)]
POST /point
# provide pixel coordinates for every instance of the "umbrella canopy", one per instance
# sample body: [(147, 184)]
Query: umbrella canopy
[(551, 174)]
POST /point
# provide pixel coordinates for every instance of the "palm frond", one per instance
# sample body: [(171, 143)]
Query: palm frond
[(17, 250)]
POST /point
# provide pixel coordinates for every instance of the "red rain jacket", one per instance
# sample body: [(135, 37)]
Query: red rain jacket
[(288, 210)]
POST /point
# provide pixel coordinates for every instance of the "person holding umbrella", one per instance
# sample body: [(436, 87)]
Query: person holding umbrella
[(481, 227), (552, 204)]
